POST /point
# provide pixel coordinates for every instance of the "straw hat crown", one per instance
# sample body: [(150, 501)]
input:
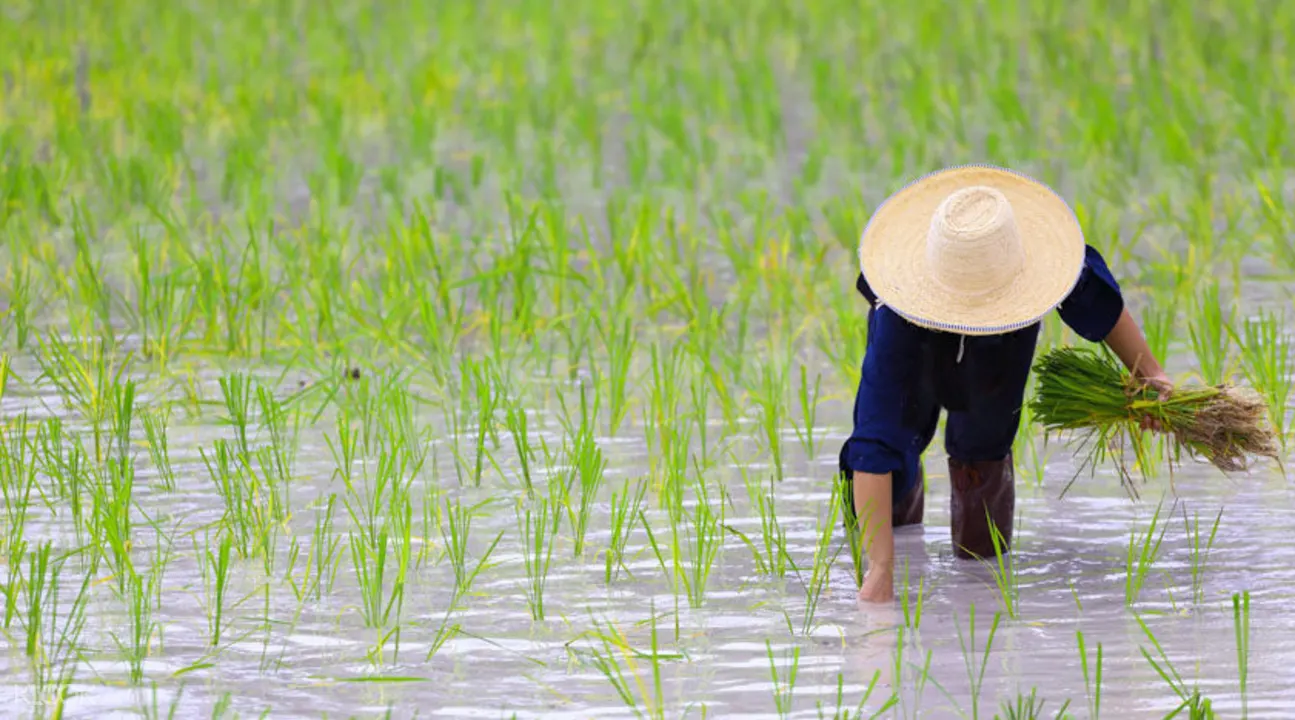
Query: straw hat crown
[(975, 250), (974, 245)]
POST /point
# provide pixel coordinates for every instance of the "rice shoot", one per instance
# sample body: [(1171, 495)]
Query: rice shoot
[(1091, 392)]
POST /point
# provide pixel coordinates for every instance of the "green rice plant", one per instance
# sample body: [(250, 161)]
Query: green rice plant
[(617, 660), (17, 481), (626, 508), (538, 536), (822, 562), (1088, 391), (52, 643), (85, 385), (842, 713), (588, 466), (771, 558), (155, 430), (1003, 569), (1159, 322), (456, 525), (1142, 553), (515, 421), (770, 397), (783, 688), (976, 670), (809, 400), (1093, 682), (324, 553), (236, 391), (141, 625), (1028, 707), (1241, 622), (912, 602), (619, 341), (1211, 334), (701, 545), (255, 507), (1266, 359), (111, 523), (485, 383), (218, 591), (1198, 554), (1192, 702)]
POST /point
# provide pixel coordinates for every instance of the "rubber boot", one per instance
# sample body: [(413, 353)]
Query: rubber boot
[(979, 487), (908, 509)]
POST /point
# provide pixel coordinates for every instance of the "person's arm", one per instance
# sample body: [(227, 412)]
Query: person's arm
[(872, 502), (1127, 341)]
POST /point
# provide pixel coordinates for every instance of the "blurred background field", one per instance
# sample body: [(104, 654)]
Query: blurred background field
[(493, 358)]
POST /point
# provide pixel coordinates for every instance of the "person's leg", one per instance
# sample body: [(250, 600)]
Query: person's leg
[(979, 443)]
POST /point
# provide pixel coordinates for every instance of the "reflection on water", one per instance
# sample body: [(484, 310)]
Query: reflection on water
[(309, 656)]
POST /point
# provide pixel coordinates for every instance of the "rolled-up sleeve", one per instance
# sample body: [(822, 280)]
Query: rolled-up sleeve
[(1095, 304)]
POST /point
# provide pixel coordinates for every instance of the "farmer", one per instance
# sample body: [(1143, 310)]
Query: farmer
[(959, 268)]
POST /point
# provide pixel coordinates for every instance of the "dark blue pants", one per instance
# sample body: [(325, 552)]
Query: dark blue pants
[(910, 374)]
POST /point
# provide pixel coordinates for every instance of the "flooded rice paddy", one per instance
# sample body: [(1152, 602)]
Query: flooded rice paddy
[(492, 359)]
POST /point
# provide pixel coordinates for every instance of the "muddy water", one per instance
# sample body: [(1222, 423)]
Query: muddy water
[(308, 658)]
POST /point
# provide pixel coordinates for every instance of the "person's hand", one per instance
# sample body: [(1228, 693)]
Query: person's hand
[(1163, 387)]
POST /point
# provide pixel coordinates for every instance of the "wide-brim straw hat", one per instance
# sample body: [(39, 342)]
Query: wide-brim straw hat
[(973, 250)]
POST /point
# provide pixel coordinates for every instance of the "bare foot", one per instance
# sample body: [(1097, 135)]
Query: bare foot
[(878, 586)]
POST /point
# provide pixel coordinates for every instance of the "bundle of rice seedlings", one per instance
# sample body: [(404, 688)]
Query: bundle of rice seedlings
[(1091, 392)]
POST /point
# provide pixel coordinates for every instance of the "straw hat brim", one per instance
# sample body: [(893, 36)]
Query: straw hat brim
[(892, 254)]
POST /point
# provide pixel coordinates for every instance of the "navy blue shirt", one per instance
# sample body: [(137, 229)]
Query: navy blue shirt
[(910, 373)]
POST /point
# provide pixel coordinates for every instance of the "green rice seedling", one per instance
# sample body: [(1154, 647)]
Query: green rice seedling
[(808, 410), (1142, 554), (615, 658), (976, 670), (588, 466), (456, 524), (1211, 334), (515, 421), (1093, 681), (538, 536), (823, 562), (912, 602), (324, 552), (5, 372), (17, 481), (1241, 622), (141, 625), (769, 397), (52, 636), (783, 688), (701, 544), (85, 386), (1088, 391), (771, 558), (897, 670), (112, 524), (1028, 707), (218, 591), (1196, 705), (842, 713), (1198, 554), (489, 391), (619, 341), (254, 509), (1266, 359), (155, 430), (1006, 577), (1159, 322), (236, 391), (626, 508)]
